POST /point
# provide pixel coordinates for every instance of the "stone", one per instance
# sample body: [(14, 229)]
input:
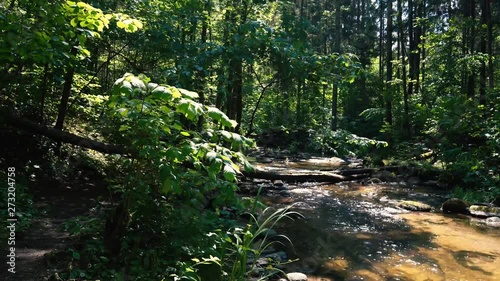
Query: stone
[(262, 262), (266, 160), (385, 176), (277, 257), (394, 211), (413, 181), (296, 276), (455, 206), (493, 221), (278, 183), (484, 211), (414, 206)]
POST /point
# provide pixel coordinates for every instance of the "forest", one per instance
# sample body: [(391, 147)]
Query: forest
[(138, 120)]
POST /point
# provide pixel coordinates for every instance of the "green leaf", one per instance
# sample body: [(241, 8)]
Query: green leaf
[(227, 135), (175, 92), (188, 94), (123, 112), (229, 173), (163, 93), (76, 255), (121, 25), (211, 155)]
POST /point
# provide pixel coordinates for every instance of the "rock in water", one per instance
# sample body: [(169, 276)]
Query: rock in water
[(455, 206), (493, 221), (296, 276), (485, 211), (278, 183), (385, 176), (414, 206)]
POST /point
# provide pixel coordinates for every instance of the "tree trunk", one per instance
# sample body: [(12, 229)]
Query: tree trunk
[(418, 41), (490, 39), (388, 95), (336, 49), (406, 116), (411, 35), (469, 41), (43, 93), (381, 50), (68, 81), (298, 117), (482, 46)]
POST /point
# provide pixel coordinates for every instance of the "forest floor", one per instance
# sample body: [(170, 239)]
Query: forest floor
[(57, 201)]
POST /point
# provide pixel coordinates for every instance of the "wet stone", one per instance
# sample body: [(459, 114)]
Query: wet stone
[(486, 211), (455, 206), (278, 183), (277, 257), (414, 206), (296, 276), (394, 211), (493, 221)]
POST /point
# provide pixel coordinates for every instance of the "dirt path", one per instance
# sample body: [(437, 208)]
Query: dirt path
[(59, 202)]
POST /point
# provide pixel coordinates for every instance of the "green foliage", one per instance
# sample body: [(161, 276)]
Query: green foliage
[(343, 143), (240, 248), (242, 242), (474, 195), (184, 162), (22, 207), (160, 122)]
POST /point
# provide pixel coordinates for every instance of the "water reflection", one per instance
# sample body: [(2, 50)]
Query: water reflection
[(354, 233)]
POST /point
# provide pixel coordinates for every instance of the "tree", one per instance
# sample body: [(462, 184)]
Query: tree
[(389, 93)]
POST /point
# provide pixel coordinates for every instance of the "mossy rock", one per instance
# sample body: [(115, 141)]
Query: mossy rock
[(414, 206), (455, 206), (486, 211)]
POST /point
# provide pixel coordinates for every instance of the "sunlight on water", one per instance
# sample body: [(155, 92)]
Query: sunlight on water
[(353, 233)]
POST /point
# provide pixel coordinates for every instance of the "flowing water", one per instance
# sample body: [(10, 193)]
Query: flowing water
[(354, 232)]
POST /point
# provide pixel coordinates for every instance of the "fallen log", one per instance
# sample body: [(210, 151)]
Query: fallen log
[(296, 175), (62, 136), (356, 171)]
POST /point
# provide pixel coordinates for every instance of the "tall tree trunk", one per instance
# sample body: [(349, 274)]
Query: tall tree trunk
[(68, 81), (482, 46), (406, 110), (335, 103), (238, 94), (298, 116), (424, 32), (418, 41), (412, 47), (201, 80), (43, 93), (338, 36), (381, 51), (388, 95), (469, 41), (489, 39)]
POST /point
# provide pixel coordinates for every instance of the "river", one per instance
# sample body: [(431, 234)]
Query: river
[(353, 232)]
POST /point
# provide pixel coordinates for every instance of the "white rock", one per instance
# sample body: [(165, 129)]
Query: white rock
[(296, 276), (278, 183), (484, 210), (493, 221)]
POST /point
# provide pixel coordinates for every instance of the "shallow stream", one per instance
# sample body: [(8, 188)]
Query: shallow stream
[(354, 232)]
